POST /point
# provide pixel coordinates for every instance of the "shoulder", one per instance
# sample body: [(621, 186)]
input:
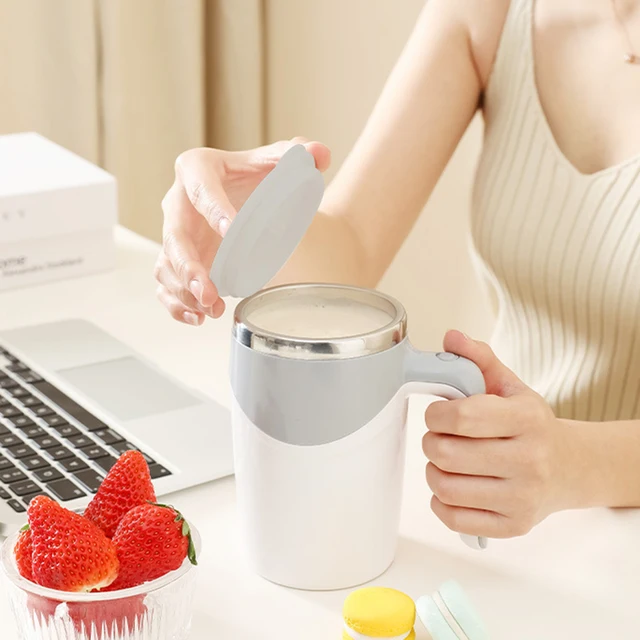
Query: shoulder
[(484, 21)]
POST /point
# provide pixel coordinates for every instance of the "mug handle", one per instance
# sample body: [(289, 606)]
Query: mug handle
[(448, 376)]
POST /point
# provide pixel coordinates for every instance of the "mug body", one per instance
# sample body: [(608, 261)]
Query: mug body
[(319, 442)]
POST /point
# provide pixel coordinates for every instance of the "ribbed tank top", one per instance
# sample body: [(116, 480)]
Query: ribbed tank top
[(561, 248)]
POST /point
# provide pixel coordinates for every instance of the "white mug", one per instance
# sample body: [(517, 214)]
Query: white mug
[(320, 377)]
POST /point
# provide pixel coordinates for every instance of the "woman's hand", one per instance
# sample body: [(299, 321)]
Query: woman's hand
[(499, 463), (210, 186)]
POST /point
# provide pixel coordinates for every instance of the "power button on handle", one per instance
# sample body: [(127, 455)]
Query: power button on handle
[(445, 356)]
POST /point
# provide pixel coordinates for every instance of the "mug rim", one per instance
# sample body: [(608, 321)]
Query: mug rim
[(308, 348)]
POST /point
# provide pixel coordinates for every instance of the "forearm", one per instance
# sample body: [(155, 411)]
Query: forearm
[(604, 465), (329, 252)]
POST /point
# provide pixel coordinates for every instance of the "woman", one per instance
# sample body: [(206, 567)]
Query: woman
[(556, 220)]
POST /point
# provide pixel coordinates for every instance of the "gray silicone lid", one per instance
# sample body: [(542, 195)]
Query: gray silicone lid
[(269, 226)]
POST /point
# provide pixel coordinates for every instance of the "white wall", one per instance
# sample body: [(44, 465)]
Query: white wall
[(326, 64)]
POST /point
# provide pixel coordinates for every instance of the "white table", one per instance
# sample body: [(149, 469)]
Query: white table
[(577, 575)]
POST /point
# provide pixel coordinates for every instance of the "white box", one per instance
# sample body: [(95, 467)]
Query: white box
[(57, 213)]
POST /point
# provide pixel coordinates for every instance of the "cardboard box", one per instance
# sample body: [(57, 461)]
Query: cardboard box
[(57, 213)]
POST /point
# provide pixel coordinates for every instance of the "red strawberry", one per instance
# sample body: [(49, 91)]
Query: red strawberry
[(151, 540), (127, 485), (70, 553), (23, 550)]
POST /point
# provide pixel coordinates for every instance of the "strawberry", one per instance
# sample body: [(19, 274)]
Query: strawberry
[(127, 485), (70, 553), (23, 550), (151, 540)]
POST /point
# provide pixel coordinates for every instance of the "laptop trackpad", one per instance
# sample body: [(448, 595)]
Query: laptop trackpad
[(128, 389)]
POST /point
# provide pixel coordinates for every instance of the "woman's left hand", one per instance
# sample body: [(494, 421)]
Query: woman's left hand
[(499, 463)]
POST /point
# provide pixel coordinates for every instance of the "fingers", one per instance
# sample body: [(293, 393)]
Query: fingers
[(492, 457), (175, 286), (177, 309), (481, 416), (198, 173), (474, 522), (267, 157), (499, 379), (476, 492)]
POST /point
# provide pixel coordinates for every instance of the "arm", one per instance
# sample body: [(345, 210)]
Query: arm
[(424, 110), (605, 465), (372, 204)]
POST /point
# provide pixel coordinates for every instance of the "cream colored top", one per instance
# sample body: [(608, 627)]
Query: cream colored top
[(562, 249)]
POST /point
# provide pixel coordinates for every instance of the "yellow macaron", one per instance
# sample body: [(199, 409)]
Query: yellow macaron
[(378, 612)]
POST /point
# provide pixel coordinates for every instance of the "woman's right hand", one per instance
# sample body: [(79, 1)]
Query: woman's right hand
[(210, 187)]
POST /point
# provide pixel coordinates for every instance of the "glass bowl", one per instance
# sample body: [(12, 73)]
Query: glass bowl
[(156, 610)]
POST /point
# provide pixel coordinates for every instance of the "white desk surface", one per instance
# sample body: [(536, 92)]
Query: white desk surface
[(577, 575)]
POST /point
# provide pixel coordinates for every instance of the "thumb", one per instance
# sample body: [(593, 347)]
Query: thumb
[(498, 378), (269, 155)]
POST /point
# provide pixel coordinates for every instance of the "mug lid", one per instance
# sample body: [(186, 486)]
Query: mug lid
[(269, 226), (448, 614)]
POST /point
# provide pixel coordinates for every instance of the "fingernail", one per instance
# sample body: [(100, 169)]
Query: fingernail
[(191, 318), (223, 226), (196, 289)]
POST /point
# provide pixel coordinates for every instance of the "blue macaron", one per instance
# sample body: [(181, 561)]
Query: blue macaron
[(448, 614)]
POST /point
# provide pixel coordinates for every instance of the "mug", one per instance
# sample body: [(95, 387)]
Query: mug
[(321, 375)]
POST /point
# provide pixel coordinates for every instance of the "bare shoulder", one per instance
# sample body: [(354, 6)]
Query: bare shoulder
[(484, 21)]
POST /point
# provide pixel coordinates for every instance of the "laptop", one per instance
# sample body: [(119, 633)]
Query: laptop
[(73, 398)]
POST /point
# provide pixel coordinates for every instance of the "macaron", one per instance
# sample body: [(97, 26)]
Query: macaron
[(448, 614), (378, 612)]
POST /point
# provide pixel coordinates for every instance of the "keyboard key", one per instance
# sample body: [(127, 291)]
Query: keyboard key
[(34, 431), (46, 442), (3, 401), (108, 436), (30, 497), (24, 488), (21, 421), (93, 451), (65, 490), (21, 451), (55, 420), (67, 430), (90, 479), (9, 440), (3, 430), (59, 453), (74, 464), (42, 410), (106, 462), (69, 406), (80, 440), (29, 376), (4, 463), (158, 471), (8, 476), (30, 401), (18, 392), (47, 474), (4, 494), (7, 383), (148, 458), (33, 462), (9, 410), (17, 505), (123, 446), (17, 366)]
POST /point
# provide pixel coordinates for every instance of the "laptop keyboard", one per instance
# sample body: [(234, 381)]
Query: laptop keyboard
[(49, 444)]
